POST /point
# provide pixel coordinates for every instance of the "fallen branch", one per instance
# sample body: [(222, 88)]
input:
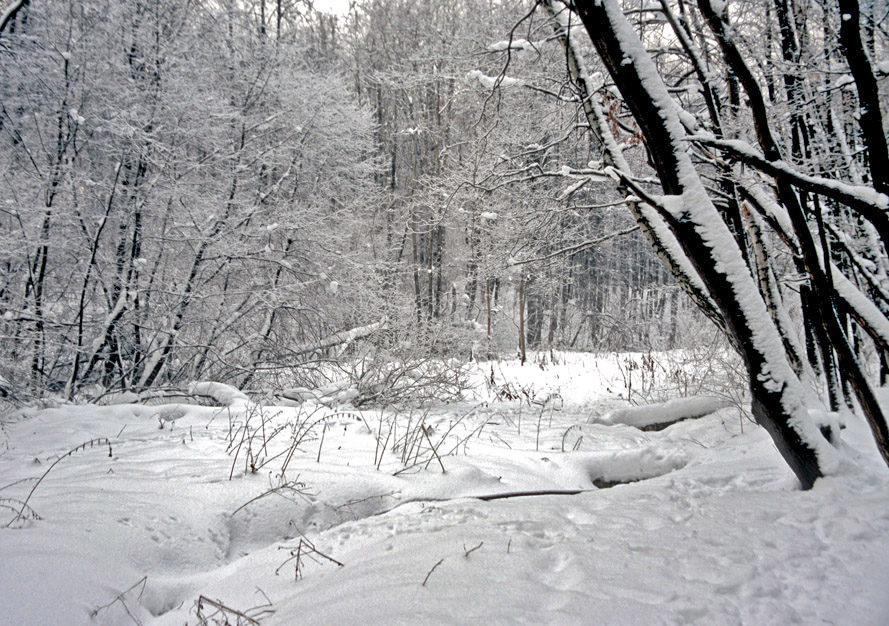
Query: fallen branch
[(530, 494)]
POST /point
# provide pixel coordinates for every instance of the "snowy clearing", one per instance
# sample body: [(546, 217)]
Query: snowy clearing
[(349, 519)]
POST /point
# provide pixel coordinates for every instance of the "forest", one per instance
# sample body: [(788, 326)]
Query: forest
[(384, 209), (204, 192)]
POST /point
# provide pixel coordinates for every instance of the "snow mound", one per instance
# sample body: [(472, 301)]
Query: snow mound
[(226, 395)]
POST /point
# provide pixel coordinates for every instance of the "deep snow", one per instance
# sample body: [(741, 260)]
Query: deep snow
[(714, 531)]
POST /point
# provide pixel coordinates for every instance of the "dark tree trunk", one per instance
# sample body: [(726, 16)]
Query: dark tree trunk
[(871, 119), (830, 334), (772, 391), (521, 298)]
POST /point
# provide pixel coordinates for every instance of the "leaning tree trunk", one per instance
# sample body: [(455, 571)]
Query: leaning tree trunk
[(829, 332), (777, 394)]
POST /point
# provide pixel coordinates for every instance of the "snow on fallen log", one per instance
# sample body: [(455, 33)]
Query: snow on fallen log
[(226, 395), (628, 466), (333, 394), (299, 394), (660, 415)]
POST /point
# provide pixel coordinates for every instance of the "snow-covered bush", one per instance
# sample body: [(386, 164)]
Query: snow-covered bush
[(383, 378)]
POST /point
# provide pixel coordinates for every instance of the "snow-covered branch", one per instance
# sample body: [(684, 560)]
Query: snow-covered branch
[(868, 202)]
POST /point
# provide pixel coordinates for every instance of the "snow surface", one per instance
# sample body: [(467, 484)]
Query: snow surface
[(714, 531)]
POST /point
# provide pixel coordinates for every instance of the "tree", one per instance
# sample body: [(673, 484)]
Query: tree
[(702, 244)]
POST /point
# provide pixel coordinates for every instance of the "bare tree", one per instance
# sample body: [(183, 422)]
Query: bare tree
[(683, 220)]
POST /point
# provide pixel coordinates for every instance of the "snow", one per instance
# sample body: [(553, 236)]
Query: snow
[(713, 531), (688, 120), (664, 412), (857, 301), (583, 177), (226, 395), (515, 44), (843, 81), (718, 6)]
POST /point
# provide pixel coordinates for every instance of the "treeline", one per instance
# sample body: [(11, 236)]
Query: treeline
[(182, 184), (201, 190)]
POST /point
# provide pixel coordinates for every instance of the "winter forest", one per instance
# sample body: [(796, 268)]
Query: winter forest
[(476, 311)]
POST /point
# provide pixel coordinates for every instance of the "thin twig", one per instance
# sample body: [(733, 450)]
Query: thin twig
[(434, 567), (119, 598), (471, 550), (434, 452), (292, 485), (321, 445), (224, 609)]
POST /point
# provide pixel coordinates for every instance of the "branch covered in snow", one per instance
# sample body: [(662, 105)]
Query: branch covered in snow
[(870, 204), (493, 82), (660, 415), (338, 339)]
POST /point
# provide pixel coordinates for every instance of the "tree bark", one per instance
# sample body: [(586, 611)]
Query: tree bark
[(870, 119)]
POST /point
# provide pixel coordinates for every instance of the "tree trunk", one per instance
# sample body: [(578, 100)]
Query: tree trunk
[(830, 334), (705, 239), (521, 299), (870, 119)]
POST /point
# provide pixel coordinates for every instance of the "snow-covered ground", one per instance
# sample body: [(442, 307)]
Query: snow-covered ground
[(339, 516)]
